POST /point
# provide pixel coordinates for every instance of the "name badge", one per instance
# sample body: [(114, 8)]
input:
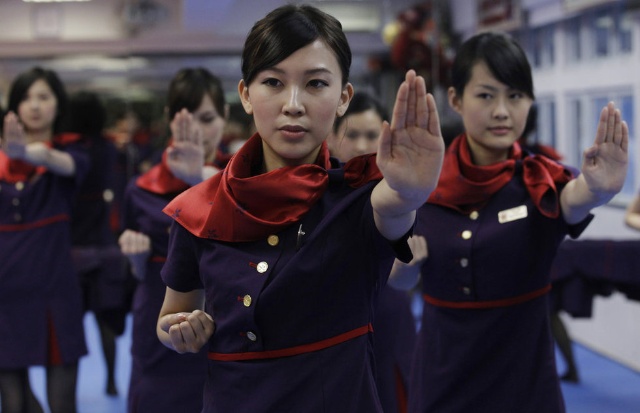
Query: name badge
[(512, 214)]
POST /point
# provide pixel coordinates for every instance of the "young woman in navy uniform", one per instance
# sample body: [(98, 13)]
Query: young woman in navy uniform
[(98, 262), (356, 133), (161, 379), (493, 225), (41, 314), (284, 252)]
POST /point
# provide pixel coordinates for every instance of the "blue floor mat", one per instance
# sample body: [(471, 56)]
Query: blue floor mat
[(605, 385)]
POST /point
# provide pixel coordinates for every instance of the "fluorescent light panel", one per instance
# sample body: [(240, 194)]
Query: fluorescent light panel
[(54, 1)]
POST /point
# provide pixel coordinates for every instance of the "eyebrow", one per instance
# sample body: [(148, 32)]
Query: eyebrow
[(493, 88), (313, 71)]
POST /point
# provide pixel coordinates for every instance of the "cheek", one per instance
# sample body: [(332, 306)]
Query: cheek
[(212, 132), (473, 120), (23, 107)]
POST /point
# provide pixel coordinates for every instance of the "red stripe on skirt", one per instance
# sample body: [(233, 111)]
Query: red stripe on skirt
[(505, 302), (293, 351), (55, 356)]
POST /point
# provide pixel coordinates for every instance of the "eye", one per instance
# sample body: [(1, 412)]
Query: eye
[(517, 95), (485, 96), (352, 135), (318, 83), (272, 82), (207, 118)]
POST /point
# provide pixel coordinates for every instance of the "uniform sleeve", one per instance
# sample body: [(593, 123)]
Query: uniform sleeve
[(181, 270), (129, 210), (575, 230), (81, 160)]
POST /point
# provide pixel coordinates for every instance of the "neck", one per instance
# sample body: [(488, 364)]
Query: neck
[(483, 156), (271, 160)]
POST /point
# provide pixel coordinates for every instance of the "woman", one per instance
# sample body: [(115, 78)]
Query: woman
[(40, 298), (285, 251), (97, 259), (355, 134), (197, 110), (493, 225)]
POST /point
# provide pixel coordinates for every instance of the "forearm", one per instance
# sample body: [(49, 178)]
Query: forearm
[(577, 200), (404, 276), (394, 212), (56, 161)]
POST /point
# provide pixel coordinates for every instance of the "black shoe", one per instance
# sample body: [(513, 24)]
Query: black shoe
[(112, 390), (570, 376)]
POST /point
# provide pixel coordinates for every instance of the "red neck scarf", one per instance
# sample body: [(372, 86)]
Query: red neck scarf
[(16, 170), (160, 180), (237, 205), (464, 186)]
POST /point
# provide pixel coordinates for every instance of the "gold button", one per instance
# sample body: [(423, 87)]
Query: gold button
[(246, 300), (474, 215), (252, 336), (466, 290), (107, 195), (17, 217), (15, 201), (262, 267), (19, 186), (466, 234), (273, 240), (464, 262)]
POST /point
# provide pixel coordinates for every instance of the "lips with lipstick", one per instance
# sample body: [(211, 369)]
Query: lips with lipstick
[(500, 130), (293, 131)]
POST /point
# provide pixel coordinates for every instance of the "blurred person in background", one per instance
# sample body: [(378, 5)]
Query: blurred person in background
[(41, 315)]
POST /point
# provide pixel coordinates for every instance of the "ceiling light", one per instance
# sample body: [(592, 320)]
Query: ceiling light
[(53, 1)]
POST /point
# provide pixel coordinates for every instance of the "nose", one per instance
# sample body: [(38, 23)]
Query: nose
[(294, 106), (33, 103), (362, 146), (500, 110)]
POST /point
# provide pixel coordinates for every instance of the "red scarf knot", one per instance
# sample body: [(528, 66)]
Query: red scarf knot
[(237, 205), (464, 186)]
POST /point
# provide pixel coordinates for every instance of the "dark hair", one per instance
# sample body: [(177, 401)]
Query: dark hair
[(503, 56), (23, 82), (189, 86), (361, 102), (86, 114), (287, 29)]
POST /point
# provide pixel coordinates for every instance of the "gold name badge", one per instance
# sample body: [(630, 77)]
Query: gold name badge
[(512, 214)]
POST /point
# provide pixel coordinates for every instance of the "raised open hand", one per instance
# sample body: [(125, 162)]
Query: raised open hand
[(606, 162), (185, 157), (14, 141), (411, 149)]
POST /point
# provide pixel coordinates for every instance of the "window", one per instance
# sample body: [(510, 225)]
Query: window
[(546, 129), (543, 46), (602, 28), (573, 32)]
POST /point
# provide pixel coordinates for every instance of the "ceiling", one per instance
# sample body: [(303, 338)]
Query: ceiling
[(136, 45)]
